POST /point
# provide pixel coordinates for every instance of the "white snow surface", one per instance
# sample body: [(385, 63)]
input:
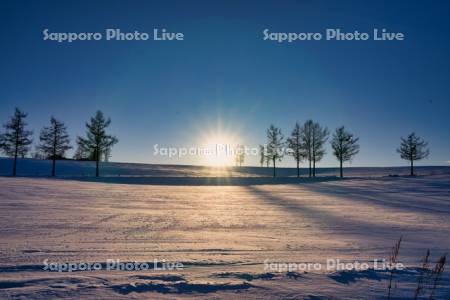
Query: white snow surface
[(222, 234)]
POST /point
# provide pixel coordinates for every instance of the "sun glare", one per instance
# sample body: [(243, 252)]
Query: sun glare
[(219, 150)]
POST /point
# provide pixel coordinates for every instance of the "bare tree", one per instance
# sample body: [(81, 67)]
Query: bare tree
[(307, 139), (413, 148), (37, 154), (107, 154), (81, 153), (240, 155), (16, 140), (54, 142), (274, 145), (345, 147), (296, 146), (262, 155), (319, 138), (97, 140)]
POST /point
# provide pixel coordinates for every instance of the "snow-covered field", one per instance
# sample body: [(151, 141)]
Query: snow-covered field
[(224, 237), (164, 173)]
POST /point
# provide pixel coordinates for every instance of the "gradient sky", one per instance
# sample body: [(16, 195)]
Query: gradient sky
[(172, 93)]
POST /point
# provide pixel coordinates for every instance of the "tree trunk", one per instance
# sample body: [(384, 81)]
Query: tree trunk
[(16, 153), (340, 169), (298, 169), (54, 154), (412, 167), (309, 168), (53, 166), (97, 160), (274, 168), (15, 164), (16, 150), (313, 153), (314, 168)]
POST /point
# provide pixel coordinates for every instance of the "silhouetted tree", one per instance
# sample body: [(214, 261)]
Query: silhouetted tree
[(413, 148), (54, 142), (306, 141), (319, 138), (345, 147), (274, 145), (107, 154), (240, 155), (296, 146), (37, 154), (97, 141), (16, 140), (262, 155), (81, 153)]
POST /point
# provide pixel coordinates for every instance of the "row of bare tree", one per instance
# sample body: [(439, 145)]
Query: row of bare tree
[(54, 140), (307, 143)]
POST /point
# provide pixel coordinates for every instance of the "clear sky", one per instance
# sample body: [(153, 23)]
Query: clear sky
[(174, 93)]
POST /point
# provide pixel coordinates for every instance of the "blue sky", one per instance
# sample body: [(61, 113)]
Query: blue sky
[(172, 93)]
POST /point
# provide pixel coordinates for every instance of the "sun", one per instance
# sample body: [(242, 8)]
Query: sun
[(219, 149)]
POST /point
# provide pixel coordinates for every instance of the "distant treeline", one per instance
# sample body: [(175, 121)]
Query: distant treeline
[(305, 143), (54, 141)]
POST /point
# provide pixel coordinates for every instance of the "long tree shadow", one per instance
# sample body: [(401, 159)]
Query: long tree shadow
[(376, 225), (324, 219), (403, 194)]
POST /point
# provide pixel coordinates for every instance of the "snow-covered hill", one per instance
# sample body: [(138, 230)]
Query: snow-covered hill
[(70, 168)]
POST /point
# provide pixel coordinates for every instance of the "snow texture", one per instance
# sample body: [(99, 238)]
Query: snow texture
[(222, 234)]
